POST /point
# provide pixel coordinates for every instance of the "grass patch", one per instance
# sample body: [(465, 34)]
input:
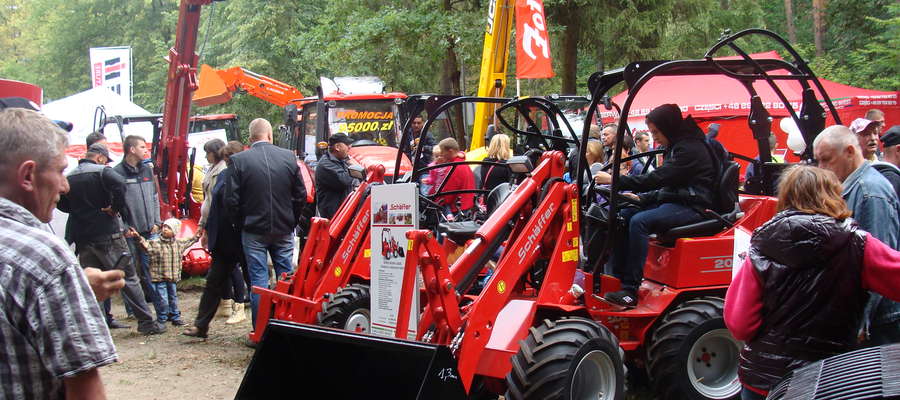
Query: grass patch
[(192, 283)]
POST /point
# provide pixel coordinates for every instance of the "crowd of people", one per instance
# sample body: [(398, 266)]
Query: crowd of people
[(821, 277)]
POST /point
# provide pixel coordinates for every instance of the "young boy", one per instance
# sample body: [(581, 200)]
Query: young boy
[(165, 267)]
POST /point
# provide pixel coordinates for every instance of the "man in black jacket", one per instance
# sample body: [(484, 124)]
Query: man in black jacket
[(671, 194), (94, 201), (333, 180), (265, 197)]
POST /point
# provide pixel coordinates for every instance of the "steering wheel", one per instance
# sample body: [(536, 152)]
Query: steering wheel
[(608, 194)]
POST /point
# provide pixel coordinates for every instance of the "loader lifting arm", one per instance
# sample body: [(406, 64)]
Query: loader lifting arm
[(218, 85), (170, 159)]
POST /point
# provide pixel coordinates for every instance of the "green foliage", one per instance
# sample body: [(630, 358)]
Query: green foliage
[(406, 42)]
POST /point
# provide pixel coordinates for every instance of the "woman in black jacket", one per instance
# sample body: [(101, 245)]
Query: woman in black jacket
[(671, 194), (799, 295), (498, 151), (224, 241)]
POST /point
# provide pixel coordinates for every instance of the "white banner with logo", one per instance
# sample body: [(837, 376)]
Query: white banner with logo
[(111, 68), (394, 212)]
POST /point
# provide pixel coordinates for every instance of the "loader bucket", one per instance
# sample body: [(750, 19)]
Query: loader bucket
[(297, 361), (211, 89)]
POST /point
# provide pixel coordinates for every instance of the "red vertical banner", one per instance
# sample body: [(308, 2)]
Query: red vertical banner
[(532, 41)]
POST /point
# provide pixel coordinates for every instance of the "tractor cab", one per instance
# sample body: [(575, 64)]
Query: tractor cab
[(372, 120), (534, 127)]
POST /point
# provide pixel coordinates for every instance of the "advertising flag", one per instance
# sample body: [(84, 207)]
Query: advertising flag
[(111, 68), (532, 41)]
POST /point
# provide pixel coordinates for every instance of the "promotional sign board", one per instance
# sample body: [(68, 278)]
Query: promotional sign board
[(394, 212), (111, 68), (741, 247)]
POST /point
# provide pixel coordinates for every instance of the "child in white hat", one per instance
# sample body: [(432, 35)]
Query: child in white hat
[(165, 267)]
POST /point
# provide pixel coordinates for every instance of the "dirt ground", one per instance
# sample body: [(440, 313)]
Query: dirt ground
[(172, 366)]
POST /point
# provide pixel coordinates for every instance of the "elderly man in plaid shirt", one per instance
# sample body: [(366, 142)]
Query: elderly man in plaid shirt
[(53, 336)]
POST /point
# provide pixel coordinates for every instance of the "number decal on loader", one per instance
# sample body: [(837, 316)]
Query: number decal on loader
[(723, 263)]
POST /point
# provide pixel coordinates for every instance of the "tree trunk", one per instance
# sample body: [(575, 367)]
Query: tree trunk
[(789, 19), (571, 37), (819, 25), (450, 82)]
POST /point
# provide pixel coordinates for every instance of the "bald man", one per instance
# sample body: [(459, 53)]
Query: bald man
[(875, 208), (265, 198)]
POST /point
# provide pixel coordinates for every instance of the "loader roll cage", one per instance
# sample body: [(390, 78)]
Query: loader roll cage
[(537, 138), (810, 119)]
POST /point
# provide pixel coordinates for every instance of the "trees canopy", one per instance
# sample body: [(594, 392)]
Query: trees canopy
[(423, 46)]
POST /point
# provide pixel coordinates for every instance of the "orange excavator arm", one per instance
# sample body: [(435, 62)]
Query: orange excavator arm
[(218, 85)]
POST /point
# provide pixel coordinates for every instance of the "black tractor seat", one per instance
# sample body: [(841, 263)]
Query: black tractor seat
[(725, 212), (707, 227), (462, 231)]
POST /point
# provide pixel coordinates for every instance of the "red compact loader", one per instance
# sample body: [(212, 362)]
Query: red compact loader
[(531, 332)]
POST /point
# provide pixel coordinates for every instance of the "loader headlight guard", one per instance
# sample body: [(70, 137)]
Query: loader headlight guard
[(520, 164)]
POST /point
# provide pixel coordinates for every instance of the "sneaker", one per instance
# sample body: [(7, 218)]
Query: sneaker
[(156, 329), (624, 298), (177, 322), (249, 343), (117, 325)]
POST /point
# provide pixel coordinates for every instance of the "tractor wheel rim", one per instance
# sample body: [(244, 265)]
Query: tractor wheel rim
[(712, 365), (595, 377), (359, 321)]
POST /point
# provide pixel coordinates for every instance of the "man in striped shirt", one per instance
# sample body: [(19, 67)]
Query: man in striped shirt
[(53, 336)]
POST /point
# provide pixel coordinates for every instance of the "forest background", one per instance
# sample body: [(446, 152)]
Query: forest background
[(427, 46)]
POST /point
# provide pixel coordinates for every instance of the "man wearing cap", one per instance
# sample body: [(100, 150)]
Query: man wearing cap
[(265, 198), (867, 133), (94, 202), (891, 143), (890, 164), (333, 180)]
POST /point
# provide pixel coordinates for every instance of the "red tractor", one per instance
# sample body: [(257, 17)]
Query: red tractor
[(530, 332)]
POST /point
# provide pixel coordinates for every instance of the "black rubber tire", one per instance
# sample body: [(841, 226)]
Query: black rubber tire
[(346, 302), (670, 349), (546, 364)]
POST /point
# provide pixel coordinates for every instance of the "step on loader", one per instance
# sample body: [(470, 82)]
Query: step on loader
[(539, 328)]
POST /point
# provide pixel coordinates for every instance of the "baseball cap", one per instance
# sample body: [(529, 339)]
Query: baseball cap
[(21, 102), (892, 137), (339, 138), (18, 102), (860, 124), (99, 149)]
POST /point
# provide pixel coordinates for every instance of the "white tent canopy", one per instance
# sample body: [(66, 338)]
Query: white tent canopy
[(79, 109)]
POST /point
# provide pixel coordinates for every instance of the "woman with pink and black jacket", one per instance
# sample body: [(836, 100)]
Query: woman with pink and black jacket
[(800, 293)]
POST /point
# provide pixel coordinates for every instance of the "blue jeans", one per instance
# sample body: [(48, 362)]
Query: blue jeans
[(631, 255), (168, 295), (256, 248), (142, 264)]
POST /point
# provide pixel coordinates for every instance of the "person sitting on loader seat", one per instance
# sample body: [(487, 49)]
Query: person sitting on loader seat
[(460, 178), (669, 196)]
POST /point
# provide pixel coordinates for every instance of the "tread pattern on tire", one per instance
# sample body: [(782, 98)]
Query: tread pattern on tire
[(664, 365), (545, 356), (347, 299)]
